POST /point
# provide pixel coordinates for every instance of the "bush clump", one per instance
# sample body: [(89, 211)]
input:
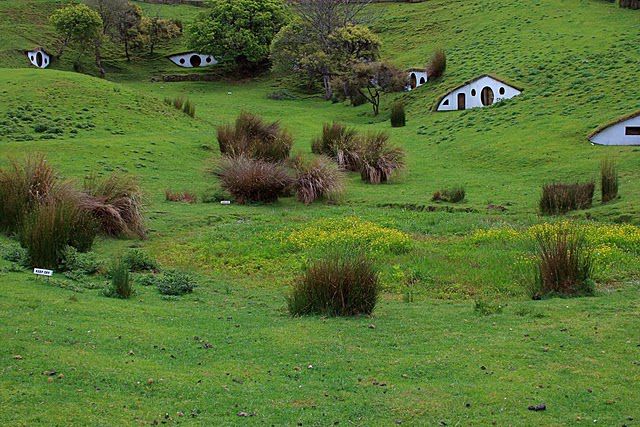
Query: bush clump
[(339, 143), (341, 284), (116, 202), (175, 283), (185, 196), (121, 285), (398, 115), (450, 195), (437, 64), (317, 179), (252, 137), (560, 198), (138, 260), (249, 180), (378, 159), (564, 262), (609, 180)]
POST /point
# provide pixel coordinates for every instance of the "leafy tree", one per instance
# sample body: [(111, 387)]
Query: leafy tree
[(79, 25), (368, 81), (317, 60), (128, 28), (156, 30), (238, 31), (109, 11)]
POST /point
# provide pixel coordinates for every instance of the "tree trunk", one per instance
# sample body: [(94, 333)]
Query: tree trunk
[(126, 48), (328, 90), (99, 59)]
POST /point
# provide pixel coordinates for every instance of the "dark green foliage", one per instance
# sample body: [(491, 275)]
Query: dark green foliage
[(560, 198), (16, 254), (81, 263), (252, 137), (609, 180), (249, 180), (121, 285), (437, 65), (564, 263), (451, 195), (175, 283), (282, 95), (487, 307), (398, 115), (317, 179), (138, 260), (340, 284)]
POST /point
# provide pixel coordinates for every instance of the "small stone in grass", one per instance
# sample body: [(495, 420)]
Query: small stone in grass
[(372, 326), (17, 357)]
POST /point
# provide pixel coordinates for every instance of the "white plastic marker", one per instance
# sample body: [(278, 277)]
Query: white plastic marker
[(225, 202), (42, 272)]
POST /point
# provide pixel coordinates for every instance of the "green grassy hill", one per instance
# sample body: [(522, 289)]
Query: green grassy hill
[(425, 357)]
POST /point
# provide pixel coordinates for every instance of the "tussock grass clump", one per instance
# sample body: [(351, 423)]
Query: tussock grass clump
[(451, 195), (317, 179), (252, 137), (398, 115), (116, 202), (341, 284), (185, 196), (175, 283), (378, 159), (560, 198), (189, 108), (121, 284), (23, 186), (564, 262), (340, 143), (609, 180), (51, 227), (250, 180), (437, 64)]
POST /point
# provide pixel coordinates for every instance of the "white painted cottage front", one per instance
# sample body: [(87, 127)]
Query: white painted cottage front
[(39, 57), (481, 92), (192, 60), (417, 78), (624, 131)]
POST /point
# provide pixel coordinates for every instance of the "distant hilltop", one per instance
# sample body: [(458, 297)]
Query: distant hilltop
[(202, 2)]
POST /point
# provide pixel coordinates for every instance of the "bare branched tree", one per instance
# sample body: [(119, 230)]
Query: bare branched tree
[(326, 16)]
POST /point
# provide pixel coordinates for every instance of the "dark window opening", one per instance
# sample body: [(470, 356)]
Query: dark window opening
[(39, 59), (473, 92), (501, 91), (446, 102), (462, 101), (414, 81), (487, 96), (422, 80), (208, 59), (182, 60), (195, 61), (632, 131)]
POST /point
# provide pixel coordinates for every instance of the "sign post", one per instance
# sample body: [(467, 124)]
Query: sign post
[(43, 272)]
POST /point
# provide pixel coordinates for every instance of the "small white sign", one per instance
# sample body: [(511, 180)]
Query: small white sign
[(225, 202), (42, 272)]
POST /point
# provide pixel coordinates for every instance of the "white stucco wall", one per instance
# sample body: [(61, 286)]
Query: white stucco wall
[(616, 134), (39, 58), (185, 60), (420, 76), (473, 92)]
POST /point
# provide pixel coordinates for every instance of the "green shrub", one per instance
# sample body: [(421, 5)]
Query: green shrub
[(78, 262), (147, 279), (398, 115), (16, 254), (564, 262), (121, 285), (608, 180), (378, 159), (560, 198), (317, 179), (341, 284), (451, 195), (215, 195), (282, 95), (175, 283), (249, 180), (250, 136), (138, 260), (487, 307)]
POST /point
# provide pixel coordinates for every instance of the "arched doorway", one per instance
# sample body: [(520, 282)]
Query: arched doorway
[(39, 59), (195, 61), (462, 101), (414, 81), (487, 96)]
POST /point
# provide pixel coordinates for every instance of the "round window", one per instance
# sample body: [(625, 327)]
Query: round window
[(487, 96), (473, 92), (182, 60), (195, 61), (501, 91), (208, 59)]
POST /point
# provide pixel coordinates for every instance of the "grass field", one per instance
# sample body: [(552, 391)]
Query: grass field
[(229, 353)]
